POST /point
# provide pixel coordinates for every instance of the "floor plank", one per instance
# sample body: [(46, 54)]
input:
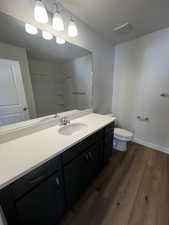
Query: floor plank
[(133, 189), (144, 210), (163, 195)]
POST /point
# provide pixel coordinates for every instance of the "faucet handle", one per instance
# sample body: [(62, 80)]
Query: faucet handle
[(68, 121), (64, 120)]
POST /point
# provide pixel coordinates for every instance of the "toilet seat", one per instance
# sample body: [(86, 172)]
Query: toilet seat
[(123, 134)]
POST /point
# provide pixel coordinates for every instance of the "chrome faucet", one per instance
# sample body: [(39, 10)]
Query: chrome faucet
[(64, 121)]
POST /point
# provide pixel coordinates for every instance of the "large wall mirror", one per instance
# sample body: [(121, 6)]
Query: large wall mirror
[(40, 77)]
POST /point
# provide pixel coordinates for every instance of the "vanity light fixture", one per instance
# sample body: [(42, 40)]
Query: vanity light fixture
[(40, 12), (57, 22), (46, 35), (60, 41), (72, 29), (41, 16), (30, 29)]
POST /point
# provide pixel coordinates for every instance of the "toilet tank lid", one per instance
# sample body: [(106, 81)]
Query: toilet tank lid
[(122, 132)]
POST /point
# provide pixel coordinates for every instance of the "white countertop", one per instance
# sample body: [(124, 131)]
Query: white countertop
[(22, 155)]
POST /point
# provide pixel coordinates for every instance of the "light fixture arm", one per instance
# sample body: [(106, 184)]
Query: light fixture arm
[(41, 15), (56, 10), (57, 6), (71, 18)]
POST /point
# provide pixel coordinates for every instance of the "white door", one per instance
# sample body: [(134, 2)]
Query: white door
[(13, 105)]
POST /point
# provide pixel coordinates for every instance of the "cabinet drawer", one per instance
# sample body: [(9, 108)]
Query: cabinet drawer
[(76, 150), (27, 182)]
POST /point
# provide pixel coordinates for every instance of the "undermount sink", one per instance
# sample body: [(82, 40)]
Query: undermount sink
[(72, 128)]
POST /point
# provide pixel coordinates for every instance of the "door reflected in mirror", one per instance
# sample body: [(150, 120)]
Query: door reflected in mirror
[(40, 77)]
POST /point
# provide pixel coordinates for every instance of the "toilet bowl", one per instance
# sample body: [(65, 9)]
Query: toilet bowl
[(121, 137)]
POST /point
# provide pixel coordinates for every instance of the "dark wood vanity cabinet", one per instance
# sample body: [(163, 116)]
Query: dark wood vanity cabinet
[(42, 196), (79, 172)]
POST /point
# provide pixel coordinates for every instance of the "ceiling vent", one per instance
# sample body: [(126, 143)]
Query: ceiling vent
[(124, 28)]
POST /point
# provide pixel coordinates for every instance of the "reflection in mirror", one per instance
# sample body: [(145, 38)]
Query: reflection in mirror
[(40, 77)]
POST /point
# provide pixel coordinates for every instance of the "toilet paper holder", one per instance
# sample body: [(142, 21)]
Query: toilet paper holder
[(164, 95), (143, 118)]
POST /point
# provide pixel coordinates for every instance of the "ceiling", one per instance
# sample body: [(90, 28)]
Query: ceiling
[(13, 32), (103, 15)]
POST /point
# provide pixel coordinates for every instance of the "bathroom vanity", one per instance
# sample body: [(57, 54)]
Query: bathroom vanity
[(41, 185)]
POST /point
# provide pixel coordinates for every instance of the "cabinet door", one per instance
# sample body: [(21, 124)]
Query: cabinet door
[(44, 205), (108, 142), (95, 154), (80, 172), (108, 146)]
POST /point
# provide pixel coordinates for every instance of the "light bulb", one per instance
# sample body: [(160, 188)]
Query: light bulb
[(57, 22), (60, 41), (46, 35), (72, 29), (40, 12), (30, 29)]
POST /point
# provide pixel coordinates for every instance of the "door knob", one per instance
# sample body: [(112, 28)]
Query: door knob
[(25, 109)]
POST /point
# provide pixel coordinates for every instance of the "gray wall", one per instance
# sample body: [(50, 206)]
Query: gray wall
[(141, 74), (16, 53), (78, 83)]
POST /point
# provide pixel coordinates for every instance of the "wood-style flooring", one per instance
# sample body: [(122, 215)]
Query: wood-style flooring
[(133, 189)]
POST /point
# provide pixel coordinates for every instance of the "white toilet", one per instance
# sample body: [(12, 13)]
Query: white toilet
[(121, 137)]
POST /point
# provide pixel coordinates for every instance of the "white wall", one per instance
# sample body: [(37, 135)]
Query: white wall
[(141, 74), (78, 72), (47, 82), (103, 51), (19, 54)]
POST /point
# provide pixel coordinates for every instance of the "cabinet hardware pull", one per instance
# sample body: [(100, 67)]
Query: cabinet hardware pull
[(38, 179), (90, 155), (57, 181), (86, 157)]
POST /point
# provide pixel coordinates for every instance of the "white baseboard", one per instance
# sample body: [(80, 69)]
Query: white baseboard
[(150, 145)]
